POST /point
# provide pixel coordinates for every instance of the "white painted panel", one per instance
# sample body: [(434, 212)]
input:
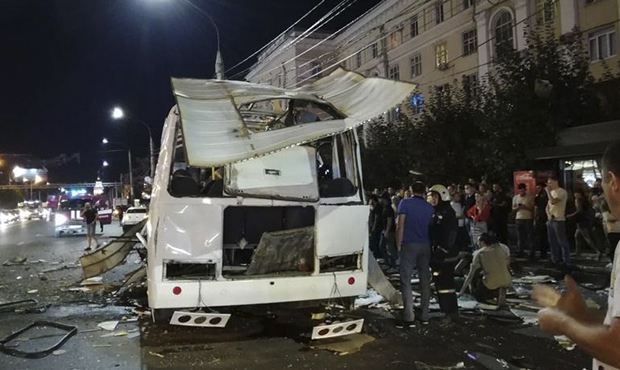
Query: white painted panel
[(341, 230), (290, 173)]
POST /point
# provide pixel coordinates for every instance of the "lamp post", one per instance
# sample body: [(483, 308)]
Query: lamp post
[(118, 114), (128, 149)]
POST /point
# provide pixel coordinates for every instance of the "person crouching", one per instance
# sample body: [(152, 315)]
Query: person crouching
[(490, 269)]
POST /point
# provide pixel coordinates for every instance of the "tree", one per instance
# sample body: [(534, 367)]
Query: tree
[(485, 131)]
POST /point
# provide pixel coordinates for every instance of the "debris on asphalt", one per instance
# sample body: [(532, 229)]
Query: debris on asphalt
[(108, 325), (121, 333), (565, 342), (156, 354), (535, 279), (345, 345), (59, 352), (97, 280), (423, 366), (15, 261), (10, 306), (528, 317), (5, 348), (18, 278), (63, 267), (78, 289), (371, 297), (33, 291), (101, 345)]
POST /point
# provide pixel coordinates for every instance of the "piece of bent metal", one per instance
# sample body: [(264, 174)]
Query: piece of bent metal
[(338, 329), (71, 331)]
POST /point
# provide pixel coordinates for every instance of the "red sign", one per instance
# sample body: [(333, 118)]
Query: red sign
[(524, 177)]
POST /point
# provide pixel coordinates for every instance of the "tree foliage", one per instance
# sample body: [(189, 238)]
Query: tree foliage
[(484, 131)]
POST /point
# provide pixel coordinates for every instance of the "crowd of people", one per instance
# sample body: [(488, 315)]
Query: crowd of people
[(542, 219), (420, 228)]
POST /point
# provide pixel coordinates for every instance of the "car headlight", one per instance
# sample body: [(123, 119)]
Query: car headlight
[(60, 219)]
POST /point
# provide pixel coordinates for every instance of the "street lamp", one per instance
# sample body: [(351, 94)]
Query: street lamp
[(118, 114), (105, 164)]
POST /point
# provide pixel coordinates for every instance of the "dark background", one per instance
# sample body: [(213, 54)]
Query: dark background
[(66, 63)]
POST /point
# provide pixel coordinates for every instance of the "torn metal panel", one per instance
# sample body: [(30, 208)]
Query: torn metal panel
[(380, 282), (216, 134), (110, 255), (284, 251)]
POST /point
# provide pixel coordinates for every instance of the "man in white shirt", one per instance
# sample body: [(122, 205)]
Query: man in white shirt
[(523, 204), (593, 331), (556, 224)]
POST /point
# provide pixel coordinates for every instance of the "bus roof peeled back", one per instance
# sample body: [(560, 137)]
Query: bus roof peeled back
[(215, 132)]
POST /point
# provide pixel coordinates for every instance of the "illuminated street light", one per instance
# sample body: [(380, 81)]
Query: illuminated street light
[(105, 164), (104, 141), (117, 113)]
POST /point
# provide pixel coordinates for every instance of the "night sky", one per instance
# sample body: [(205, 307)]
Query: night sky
[(66, 63)]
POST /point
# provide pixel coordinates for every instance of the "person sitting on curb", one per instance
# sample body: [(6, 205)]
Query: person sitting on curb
[(490, 269)]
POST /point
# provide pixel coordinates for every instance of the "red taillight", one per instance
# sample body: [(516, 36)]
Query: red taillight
[(351, 280), (176, 290)]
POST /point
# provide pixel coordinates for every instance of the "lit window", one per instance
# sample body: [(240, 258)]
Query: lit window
[(414, 28), (602, 44), (394, 72), (441, 55), (470, 42), (416, 65), (503, 35)]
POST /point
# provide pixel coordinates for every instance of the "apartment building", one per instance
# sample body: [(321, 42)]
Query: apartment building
[(292, 59), (433, 43)]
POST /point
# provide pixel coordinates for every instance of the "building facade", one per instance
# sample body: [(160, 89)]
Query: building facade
[(433, 43)]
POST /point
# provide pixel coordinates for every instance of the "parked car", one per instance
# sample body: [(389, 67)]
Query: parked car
[(132, 217)]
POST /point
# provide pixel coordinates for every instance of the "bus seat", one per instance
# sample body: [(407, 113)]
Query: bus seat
[(183, 184), (340, 187)]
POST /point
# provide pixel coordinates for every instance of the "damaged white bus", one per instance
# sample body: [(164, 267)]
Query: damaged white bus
[(258, 195)]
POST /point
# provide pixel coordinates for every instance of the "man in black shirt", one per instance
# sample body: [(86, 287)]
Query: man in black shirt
[(89, 214)]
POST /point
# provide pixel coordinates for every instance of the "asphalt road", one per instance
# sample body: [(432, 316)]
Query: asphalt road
[(251, 342)]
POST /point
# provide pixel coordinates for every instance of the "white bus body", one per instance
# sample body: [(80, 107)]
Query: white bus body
[(288, 221)]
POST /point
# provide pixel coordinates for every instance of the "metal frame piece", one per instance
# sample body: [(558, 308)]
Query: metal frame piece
[(338, 329), (200, 319), (71, 331)]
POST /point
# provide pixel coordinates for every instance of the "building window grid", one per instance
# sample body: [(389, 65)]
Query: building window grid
[(414, 27), (374, 50), (439, 14), (358, 59), (503, 32), (602, 44), (470, 85), (470, 42), (416, 65), (394, 72), (441, 55), (467, 4)]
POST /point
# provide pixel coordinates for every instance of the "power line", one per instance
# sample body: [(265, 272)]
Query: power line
[(317, 45), (275, 38), (338, 9)]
